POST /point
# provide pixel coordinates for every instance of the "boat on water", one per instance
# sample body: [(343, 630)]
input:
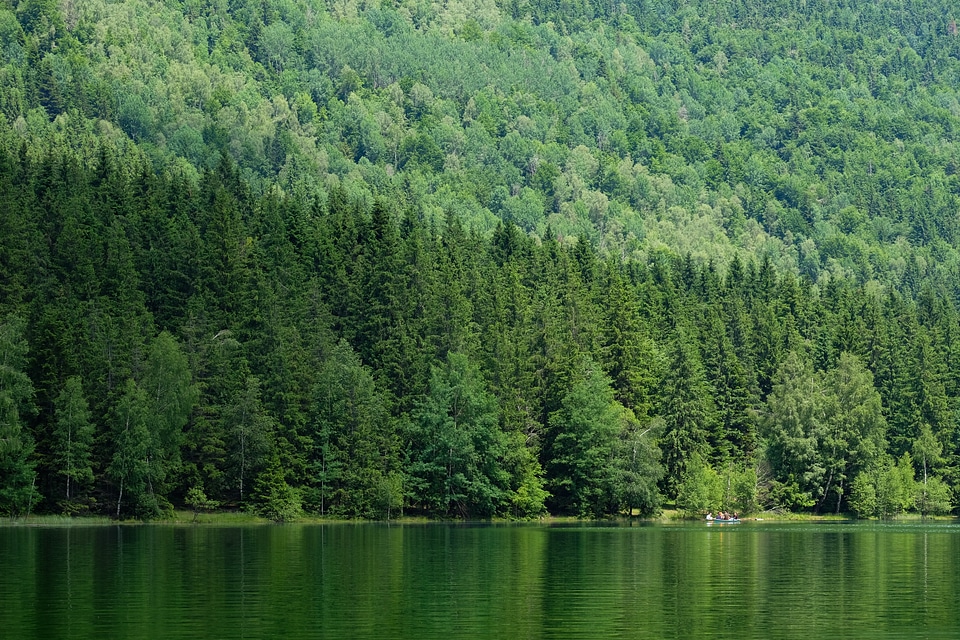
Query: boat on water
[(723, 520)]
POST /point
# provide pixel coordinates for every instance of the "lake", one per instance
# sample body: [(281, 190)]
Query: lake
[(755, 579)]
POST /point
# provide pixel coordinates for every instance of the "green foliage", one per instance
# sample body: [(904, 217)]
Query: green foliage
[(272, 497), (855, 434), (822, 430), (583, 443), (740, 489), (250, 434), (73, 440), (700, 489), (129, 467), (381, 243), (456, 464), (527, 495), (170, 398), (198, 501), (793, 427), (933, 497), (18, 491), (884, 491), (637, 468), (355, 460), (688, 412)]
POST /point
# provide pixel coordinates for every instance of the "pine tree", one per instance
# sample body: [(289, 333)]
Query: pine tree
[(687, 409), (582, 441), (631, 358), (272, 497), (734, 437), (353, 441), (457, 448)]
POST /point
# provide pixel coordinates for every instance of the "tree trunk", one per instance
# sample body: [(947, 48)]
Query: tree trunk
[(119, 498)]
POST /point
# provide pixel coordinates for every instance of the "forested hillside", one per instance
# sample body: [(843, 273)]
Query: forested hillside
[(479, 258)]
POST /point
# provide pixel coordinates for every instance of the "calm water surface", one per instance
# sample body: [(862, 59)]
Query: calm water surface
[(482, 581)]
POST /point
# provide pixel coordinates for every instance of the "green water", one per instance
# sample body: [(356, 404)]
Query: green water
[(758, 580)]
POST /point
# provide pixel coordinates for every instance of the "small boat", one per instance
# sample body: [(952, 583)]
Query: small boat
[(728, 520), (723, 520)]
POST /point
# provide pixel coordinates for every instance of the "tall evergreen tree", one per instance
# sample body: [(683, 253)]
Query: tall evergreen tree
[(582, 443), (687, 409), (632, 360), (457, 449), (273, 497), (734, 437), (354, 448)]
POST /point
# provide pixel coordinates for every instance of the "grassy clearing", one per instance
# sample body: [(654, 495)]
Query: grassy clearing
[(53, 520)]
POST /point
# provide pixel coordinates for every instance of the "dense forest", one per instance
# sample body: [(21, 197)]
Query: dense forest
[(480, 258)]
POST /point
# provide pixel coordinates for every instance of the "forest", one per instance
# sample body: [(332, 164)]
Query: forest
[(479, 258)]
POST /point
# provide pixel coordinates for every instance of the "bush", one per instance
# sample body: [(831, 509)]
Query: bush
[(700, 490)]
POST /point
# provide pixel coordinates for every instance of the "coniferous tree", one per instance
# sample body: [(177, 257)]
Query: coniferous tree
[(687, 410), (354, 448), (734, 437), (511, 378), (633, 361), (456, 448), (377, 296), (582, 444), (221, 370), (272, 497), (249, 434)]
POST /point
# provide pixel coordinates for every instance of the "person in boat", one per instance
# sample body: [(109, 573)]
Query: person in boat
[(709, 515)]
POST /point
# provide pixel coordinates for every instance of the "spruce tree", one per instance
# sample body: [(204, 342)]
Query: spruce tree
[(687, 409), (457, 449), (583, 435)]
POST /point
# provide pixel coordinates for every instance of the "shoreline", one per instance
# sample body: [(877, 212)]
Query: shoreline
[(241, 518)]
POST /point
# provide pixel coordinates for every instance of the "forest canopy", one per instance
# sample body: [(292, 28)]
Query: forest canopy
[(475, 259)]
